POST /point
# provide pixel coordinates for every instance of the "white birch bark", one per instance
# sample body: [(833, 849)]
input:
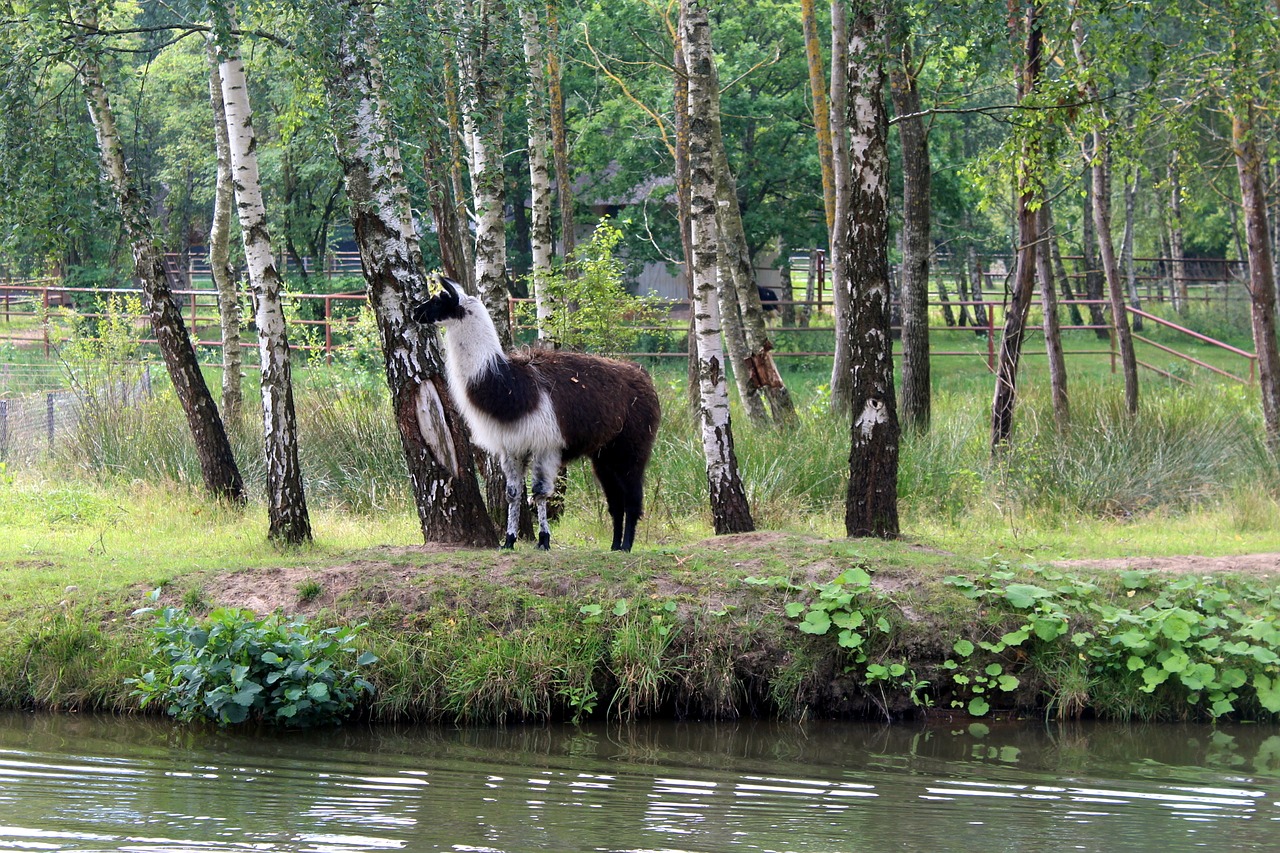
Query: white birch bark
[(482, 118), (286, 500), (217, 461), (224, 275), (841, 367), (541, 239), (729, 508), (436, 447)]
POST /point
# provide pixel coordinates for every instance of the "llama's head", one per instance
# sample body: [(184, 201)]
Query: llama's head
[(451, 303)]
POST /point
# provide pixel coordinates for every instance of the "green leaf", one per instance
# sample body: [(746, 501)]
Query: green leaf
[(1025, 595), (366, 658), (850, 639), (271, 658), (794, 609), (1176, 628), (816, 622), (993, 669), (978, 706), (963, 648), (318, 691), (1007, 682), (1268, 691), (247, 694), (621, 607), (848, 619)]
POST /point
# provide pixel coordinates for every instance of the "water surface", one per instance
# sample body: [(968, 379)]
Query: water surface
[(84, 783)]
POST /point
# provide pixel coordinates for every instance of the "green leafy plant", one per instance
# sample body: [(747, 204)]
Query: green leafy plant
[(1212, 640), (233, 667), (589, 308)]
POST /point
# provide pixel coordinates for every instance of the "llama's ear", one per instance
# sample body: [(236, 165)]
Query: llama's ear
[(450, 287)]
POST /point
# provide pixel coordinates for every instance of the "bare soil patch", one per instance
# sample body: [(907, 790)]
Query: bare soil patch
[(1258, 565)]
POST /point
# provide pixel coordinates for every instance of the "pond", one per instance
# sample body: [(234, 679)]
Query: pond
[(84, 783)]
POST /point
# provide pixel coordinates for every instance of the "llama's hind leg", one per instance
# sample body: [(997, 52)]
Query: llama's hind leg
[(513, 471), (545, 470), (613, 497)]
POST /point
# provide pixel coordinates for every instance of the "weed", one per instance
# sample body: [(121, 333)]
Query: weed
[(234, 667), (310, 589)]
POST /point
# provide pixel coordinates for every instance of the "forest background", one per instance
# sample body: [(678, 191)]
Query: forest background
[(1021, 107)]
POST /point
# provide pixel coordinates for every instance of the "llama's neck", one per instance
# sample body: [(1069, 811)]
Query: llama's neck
[(472, 345)]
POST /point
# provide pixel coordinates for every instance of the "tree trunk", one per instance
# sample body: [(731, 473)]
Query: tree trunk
[(757, 375), (1178, 287), (466, 258), (977, 295), (1262, 288), (680, 96), (436, 446), (1060, 269), (1015, 321), (917, 244), (541, 238), (821, 109), (452, 235), (729, 509), (220, 268), (1052, 328), (871, 505), (560, 139), (842, 363), (1100, 168), (217, 461), (289, 521), (1126, 246), (1094, 280)]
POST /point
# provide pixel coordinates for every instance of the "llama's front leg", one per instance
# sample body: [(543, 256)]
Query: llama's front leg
[(545, 471), (513, 471)]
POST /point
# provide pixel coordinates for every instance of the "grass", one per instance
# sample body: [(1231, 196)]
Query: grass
[(88, 529)]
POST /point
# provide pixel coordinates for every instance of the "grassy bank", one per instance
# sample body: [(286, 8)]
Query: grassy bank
[(968, 613)]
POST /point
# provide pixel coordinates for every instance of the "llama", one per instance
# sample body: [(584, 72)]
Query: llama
[(545, 408)]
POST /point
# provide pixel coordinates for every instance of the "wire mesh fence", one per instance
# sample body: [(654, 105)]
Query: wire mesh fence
[(34, 422)]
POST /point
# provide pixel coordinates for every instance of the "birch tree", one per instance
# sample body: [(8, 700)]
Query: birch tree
[(917, 245), (220, 266), (541, 240), (289, 521), (871, 504), (436, 446), (218, 466), (1098, 162), (479, 49), (729, 508), (842, 362)]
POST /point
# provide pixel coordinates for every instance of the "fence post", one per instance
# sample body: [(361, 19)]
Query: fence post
[(45, 319), (991, 334), (328, 330)]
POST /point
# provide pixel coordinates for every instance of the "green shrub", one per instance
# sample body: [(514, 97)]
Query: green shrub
[(233, 667)]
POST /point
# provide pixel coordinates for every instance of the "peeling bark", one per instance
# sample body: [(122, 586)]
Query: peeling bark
[(445, 489), (288, 519), (729, 508), (871, 504), (539, 169), (220, 268), (217, 461)]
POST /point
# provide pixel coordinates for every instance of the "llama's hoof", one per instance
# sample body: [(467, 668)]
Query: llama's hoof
[(509, 544), (544, 541)]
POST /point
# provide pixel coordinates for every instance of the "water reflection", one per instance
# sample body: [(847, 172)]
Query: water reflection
[(92, 784)]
